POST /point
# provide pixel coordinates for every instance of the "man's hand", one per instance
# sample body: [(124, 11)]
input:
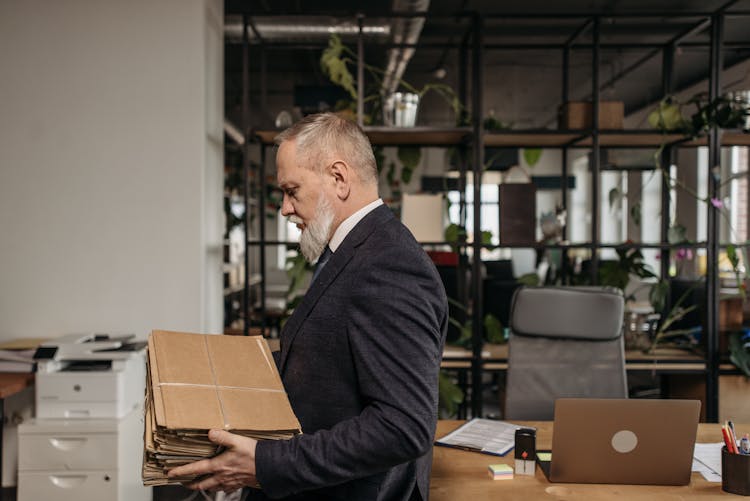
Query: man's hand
[(232, 469)]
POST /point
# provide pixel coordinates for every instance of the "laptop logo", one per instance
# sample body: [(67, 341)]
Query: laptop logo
[(624, 441)]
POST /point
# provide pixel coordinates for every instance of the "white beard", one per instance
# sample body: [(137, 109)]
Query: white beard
[(315, 236)]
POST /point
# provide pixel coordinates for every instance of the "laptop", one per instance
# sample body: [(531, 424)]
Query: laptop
[(623, 441)]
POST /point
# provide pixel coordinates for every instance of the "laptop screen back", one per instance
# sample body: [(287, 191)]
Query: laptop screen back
[(624, 441)]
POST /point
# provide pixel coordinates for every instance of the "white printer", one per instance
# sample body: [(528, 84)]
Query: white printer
[(90, 376)]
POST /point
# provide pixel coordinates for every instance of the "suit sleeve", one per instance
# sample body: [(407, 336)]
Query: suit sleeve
[(395, 326)]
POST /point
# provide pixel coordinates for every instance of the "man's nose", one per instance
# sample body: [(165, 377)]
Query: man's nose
[(286, 207)]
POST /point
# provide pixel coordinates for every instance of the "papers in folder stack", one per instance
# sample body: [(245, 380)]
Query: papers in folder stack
[(201, 382)]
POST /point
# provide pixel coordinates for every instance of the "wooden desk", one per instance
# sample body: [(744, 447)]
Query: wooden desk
[(663, 360), (458, 475), (10, 384)]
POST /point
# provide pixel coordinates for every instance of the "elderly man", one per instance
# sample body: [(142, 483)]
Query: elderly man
[(360, 355)]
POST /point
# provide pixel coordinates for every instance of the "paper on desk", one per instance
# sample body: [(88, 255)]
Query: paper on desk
[(483, 435), (707, 461)]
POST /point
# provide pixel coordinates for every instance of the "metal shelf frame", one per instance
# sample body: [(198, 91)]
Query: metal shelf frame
[(476, 139)]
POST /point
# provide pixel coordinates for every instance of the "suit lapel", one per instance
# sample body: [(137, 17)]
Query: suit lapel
[(328, 274)]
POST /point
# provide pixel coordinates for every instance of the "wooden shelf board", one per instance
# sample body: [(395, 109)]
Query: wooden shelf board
[(422, 136), (266, 136), (435, 136), (727, 139), (536, 139), (383, 136), (634, 139)]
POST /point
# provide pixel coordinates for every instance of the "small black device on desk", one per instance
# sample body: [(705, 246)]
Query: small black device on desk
[(525, 451)]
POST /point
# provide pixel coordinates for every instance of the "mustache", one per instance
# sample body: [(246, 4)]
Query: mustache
[(295, 220)]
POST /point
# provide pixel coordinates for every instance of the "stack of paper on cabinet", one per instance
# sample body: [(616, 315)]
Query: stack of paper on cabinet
[(200, 382), (17, 355)]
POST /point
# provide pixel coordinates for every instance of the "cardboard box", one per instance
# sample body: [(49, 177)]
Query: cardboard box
[(201, 382), (730, 313), (213, 381), (578, 115)]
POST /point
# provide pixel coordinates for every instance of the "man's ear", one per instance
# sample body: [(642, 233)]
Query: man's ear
[(342, 177)]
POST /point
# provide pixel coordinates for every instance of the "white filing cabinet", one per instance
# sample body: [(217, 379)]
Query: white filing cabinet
[(82, 459)]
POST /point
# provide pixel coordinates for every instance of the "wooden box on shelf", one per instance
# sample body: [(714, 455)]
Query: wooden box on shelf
[(578, 114), (730, 313)]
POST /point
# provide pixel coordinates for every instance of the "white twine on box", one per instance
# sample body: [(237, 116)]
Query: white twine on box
[(218, 393), (219, 386)]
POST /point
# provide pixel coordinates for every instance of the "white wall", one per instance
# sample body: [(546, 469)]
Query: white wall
[(107, 189)]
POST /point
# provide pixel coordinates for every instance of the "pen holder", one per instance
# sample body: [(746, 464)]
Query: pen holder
[(735, 472)]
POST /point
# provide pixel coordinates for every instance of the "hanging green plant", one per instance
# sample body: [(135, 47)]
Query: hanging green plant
[(334, 65), (409, 157)]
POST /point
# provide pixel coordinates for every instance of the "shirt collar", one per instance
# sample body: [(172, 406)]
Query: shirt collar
[(349, 223)]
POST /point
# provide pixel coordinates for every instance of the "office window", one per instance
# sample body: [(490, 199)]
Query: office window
[(490, 212), (738, 195), (287, 232)]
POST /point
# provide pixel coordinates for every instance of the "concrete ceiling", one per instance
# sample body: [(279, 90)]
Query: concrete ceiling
[(521, 86)]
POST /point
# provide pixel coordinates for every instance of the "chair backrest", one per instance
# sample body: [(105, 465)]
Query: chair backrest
[(564, 342)]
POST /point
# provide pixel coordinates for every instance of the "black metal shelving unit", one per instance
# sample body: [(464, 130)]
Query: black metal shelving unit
[(476, 139)]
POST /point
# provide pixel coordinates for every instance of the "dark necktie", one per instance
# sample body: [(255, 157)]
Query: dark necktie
[(322, 260)]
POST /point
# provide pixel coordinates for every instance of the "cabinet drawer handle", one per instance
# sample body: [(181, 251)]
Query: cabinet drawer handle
[(76, 413), (67, 481), (67, 444)]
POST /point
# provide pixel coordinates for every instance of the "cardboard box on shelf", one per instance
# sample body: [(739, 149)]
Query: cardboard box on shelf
[(578, 115), (730, 313)]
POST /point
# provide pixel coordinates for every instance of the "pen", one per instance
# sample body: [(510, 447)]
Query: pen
[(745, 444), (727, 439), (730, 429)]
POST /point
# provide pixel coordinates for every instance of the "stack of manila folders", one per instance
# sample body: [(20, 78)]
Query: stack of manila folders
[(199, 382)]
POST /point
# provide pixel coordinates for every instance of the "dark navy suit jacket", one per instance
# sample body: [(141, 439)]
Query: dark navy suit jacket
[(359, 359)]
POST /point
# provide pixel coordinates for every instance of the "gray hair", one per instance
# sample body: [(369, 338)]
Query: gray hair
[(323, 136)]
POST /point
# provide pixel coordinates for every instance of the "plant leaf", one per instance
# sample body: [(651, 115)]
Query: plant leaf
[(531, 279), (532, 155), (635, 213), (450, 395), (677, 234), (494, 329), (615, 194), (409, 156), (334, 66)]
